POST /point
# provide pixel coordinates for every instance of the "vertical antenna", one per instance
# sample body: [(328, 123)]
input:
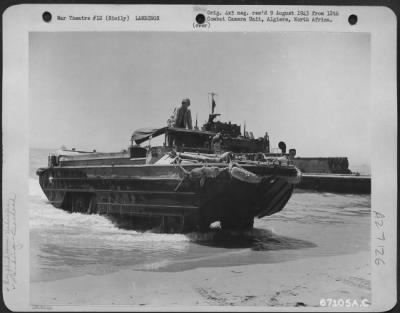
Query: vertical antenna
[(213, 104), (208, 100)]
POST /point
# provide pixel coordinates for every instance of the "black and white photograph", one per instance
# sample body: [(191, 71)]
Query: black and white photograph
[(203, 169)]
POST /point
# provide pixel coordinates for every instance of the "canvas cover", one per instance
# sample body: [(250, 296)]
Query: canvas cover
[(142, 134)]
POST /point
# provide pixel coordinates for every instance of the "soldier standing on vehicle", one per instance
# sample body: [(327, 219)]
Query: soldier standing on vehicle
[(182, 115), (181, 118)]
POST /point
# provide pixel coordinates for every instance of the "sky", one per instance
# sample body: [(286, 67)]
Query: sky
[(91, 90)]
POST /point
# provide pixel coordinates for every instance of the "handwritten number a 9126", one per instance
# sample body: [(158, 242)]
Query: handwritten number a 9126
[(379, 252)]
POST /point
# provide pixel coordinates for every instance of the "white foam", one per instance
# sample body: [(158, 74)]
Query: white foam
[(48, 218)]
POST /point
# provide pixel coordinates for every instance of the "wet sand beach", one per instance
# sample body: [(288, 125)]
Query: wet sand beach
[(294, 283)]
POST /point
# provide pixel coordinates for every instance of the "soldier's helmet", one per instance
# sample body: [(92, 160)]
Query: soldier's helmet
[(186, 101)]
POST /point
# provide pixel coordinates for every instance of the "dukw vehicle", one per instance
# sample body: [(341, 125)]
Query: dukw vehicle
[(195, 178)]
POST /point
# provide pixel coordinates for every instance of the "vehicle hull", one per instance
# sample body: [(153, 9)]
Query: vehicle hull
[(164, 193)]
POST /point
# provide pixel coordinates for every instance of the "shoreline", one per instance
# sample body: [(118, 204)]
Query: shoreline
[(302, 282)]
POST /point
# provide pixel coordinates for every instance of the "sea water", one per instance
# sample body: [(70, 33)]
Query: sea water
[(64, 244)]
